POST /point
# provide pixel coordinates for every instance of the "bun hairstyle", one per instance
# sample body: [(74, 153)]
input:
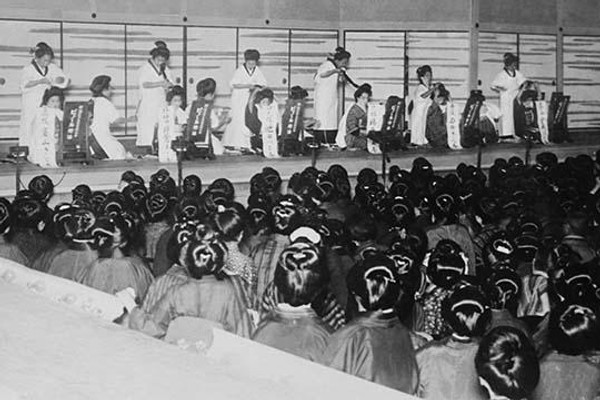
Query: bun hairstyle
[(205, 257), (99, 85), (298, 93), (364, 88), (41, 49), (205, 87), (251, 55), (300, 274), (230, 224), (422, 70), (262, 94), (503, 287), (160, 50), (447, 264), (192, 186), (509, 59), (467, 311), (42, 187), (374, 283), (175, 91), (574, 329), (507, 362), (5, 215), (341, 54), (50, 93)]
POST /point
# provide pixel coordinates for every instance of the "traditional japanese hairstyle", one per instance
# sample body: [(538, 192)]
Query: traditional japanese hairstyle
[(574, 328), (222, 190), (467, 311), (341, 54), (175, 91), (113, 204), (507, 364), (5, 215), (230, 225), (192, 186), (104, 232), (447, 263), (41, 49), (272, 180), (364, 88), (160, 50), (50, 93), (205, 87), (157, 207), (42, 187), (99, 85), (503, 287), (98, 199), (262, 94), (31, 213), (81, 193), (300, 274), (509, 59), (374, 283), (422, 70), (298, 93), (206, 257), (286, 214), (251, 55)]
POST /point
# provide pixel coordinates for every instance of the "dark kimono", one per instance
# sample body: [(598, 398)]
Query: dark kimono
[(355, 121), (295, 330), (435, 130), (378, 348)]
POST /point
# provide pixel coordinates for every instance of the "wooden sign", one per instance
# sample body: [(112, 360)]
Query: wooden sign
[(74, 139), (453, 125), (198, 126), (269, 117)]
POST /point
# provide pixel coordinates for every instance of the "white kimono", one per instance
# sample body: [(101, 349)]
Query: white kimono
[(45, 128), (151, 102), (326, 98), (509, 90), (270, 119), (32, 96), (105, 114), (418, 117), (237, 134), (169, 128)]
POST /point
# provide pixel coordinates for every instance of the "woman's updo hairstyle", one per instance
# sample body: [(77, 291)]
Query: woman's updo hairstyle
[(300, 274), (574, 329), (507, 362), (251, 55), (160, 50), (42, 49), (509, 59), (374, 283), (229, 224), (467, 310), (50, 93), (341, 54)]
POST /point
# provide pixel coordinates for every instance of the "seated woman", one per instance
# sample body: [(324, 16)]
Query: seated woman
[(525, 113), (356, 119), (446, 367), (105, 145), (114, 270), (46, 128), (209, 294), (293, 326), (375, 345), (435, 129), (261, 116), (568, 372), (507, 365)]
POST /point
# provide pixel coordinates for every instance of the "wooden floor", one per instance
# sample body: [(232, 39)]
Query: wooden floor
[(105, 175)]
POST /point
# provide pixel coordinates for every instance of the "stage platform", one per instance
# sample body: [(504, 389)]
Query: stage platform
[(105, 175)]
